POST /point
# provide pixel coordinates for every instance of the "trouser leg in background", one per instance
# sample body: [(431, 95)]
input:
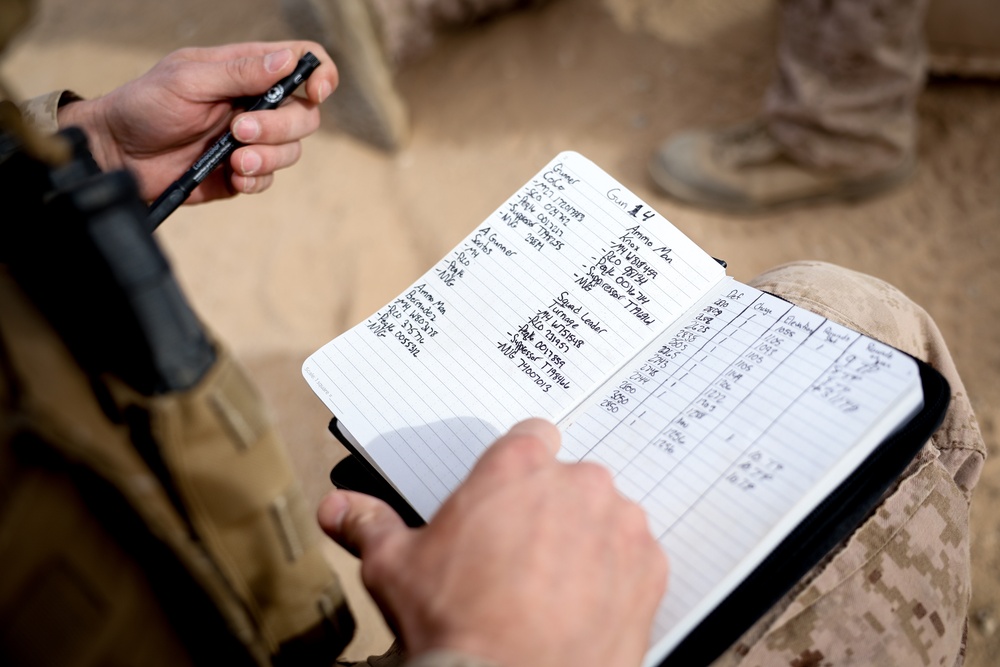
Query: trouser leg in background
[(897, 591), (849, 72), (410, 25), (838, 122), (367, 40)]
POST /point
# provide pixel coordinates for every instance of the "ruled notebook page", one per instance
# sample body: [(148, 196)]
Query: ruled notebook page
[(727, 413), (731, 427), (528, 315)]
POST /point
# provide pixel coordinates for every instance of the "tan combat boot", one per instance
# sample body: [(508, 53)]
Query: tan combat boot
[(742, 169)]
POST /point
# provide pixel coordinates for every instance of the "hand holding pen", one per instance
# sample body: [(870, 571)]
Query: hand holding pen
[(160, 124), (223, 147)]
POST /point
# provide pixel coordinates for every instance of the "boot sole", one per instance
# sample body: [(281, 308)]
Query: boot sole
[(848, 191)]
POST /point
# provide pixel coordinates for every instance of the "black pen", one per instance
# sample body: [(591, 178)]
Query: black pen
[(181, 189)]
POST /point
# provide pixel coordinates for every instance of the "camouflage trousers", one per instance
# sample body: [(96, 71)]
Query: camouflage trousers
[(848, 76), (844, 94), (897, 591), (409, 25)]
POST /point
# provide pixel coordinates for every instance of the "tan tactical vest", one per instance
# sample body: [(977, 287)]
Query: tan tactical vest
[(138, 530)]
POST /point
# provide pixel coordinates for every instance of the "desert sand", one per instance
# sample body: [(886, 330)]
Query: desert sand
[(279, 274)]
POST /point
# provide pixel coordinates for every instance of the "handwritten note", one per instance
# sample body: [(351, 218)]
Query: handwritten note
[(726, 412), (728, 422), (527, 316)]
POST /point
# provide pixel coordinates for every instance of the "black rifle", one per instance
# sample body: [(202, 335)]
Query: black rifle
[(76, 241)]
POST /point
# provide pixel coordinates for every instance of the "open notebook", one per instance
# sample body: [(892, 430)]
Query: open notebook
[(732, 416)]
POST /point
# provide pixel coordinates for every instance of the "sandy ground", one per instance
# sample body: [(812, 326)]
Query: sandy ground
[(278, 275)]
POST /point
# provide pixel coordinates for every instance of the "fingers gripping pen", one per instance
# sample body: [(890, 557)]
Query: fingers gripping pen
[(181, 189)]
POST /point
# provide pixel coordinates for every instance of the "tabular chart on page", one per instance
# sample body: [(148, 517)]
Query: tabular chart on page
[(730, 419)]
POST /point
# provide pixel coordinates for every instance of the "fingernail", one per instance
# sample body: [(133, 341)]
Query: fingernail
[(249, 162), (544, 430), (332, 510), (246, 130), (273, 62), (248, 184), (324, 91)]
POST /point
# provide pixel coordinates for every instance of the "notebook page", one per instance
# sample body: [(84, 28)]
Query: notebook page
[(530, 313), (731, 427)]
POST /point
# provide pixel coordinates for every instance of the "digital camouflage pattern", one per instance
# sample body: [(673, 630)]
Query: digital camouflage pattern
[(897, 592), (41, 112)]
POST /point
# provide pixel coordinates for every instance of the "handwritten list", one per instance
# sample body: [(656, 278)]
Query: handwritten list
[(726, 412), (527, 316)]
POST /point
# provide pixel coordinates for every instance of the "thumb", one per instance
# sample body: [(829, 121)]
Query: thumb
[(248, 75), (356, 521)]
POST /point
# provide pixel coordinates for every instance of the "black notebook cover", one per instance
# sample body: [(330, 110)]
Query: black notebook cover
[(830, 523)]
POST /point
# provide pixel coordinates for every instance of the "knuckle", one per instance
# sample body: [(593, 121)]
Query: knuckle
[(661, 563), (657, 568), (249, 185), (521, 452), (172, 68), (263, 183), (365, 515), (594, 477), (380, 562), (634, 523), (294, 153), (648, 550), (376, 566), (313, 119), (186, 53), (240, 69)]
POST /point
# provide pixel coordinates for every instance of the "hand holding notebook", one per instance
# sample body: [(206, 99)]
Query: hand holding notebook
[(734, 418)]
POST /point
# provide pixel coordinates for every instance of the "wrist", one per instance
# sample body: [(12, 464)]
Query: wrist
[(90, 117)]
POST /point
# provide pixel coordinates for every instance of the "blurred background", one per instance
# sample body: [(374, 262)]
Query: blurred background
[(346, 229)]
